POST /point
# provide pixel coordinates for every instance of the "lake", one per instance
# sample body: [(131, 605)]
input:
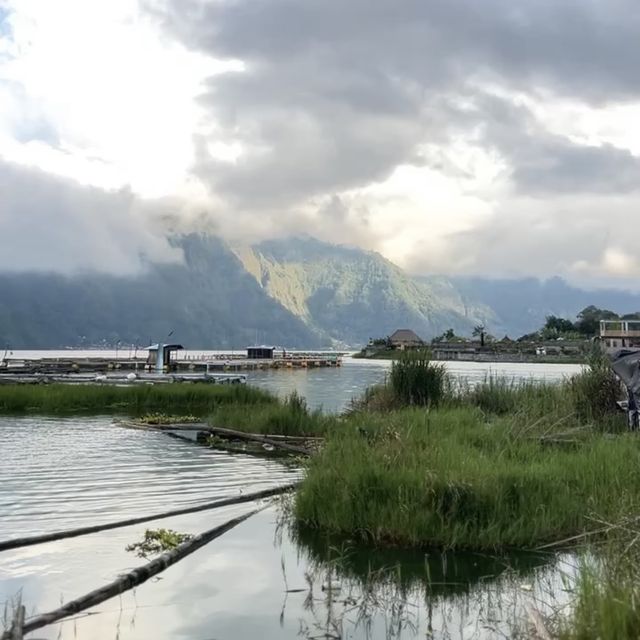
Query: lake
[(332, 389), (259, 580)]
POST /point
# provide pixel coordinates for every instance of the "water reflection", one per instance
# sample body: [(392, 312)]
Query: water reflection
[(246, 586), (440, 572), (333, 389), (259, 582)]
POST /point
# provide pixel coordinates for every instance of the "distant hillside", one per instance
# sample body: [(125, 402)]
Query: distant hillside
[(521, 306), (298, 293), (209, 301), (352, 295)]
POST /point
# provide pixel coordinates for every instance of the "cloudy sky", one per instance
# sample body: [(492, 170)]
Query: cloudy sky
[(499, 137)]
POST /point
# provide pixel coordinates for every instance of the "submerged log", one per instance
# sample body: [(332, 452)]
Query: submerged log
[(131, 579), (221, 432), (73, 533), (230, 434)]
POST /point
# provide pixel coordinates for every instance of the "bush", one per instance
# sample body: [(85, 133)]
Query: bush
[(416, 381), (595, 391)]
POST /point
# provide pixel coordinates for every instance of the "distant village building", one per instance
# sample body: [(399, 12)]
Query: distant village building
[(260, 353), (403, 339), (619, 334)]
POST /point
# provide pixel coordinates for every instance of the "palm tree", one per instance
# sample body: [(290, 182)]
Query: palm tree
[(481, 331)]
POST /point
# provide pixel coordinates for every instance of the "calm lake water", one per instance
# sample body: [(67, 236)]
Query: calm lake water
[(332, 389), (259, 580)]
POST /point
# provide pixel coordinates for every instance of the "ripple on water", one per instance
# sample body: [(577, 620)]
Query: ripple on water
[(63, 473)]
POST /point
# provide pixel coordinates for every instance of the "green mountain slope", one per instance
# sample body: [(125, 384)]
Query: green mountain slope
[(351, 294), (208, 301)]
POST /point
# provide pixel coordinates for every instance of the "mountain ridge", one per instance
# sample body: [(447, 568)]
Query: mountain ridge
[(294, 292)]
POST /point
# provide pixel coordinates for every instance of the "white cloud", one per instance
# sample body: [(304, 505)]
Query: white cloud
[(119, 100), (449, 137)]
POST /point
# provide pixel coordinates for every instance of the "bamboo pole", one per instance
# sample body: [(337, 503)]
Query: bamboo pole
[(131, 579), (73, 533)]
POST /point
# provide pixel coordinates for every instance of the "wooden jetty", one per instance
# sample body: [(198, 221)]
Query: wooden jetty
[(165, 363)]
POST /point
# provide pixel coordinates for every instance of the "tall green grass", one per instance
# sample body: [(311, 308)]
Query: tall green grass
[(452, 478), (607, 606), (290, 418), (184, 399), (594, 392), (416, 381), (501, 396), (589, 397)]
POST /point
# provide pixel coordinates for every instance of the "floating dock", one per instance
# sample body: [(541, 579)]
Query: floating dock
[(164, 363)]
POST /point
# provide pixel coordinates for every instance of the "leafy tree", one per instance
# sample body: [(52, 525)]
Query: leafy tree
[(530, 337), (588, 323), (559, 325)]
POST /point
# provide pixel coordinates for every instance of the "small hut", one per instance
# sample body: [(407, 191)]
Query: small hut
[(260, 352), (404, 339)]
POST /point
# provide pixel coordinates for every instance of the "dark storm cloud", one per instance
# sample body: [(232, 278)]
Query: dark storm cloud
[(54, 224), (584, 46), (337, 94)]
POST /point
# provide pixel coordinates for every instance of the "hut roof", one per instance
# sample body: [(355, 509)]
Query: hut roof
[(406, 335)]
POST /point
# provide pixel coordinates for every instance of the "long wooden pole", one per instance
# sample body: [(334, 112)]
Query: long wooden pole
[(73, 533), (131, 579)]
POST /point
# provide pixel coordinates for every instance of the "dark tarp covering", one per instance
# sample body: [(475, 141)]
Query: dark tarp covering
[(626, 365)]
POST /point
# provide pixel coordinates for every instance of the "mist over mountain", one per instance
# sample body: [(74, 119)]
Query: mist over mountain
[(297, 292)]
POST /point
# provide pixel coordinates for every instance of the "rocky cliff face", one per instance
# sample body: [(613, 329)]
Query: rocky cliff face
[(351, 295)]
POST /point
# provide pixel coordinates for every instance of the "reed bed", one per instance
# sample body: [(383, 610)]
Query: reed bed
[(456, 479), (192, 399), (607, 592)]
